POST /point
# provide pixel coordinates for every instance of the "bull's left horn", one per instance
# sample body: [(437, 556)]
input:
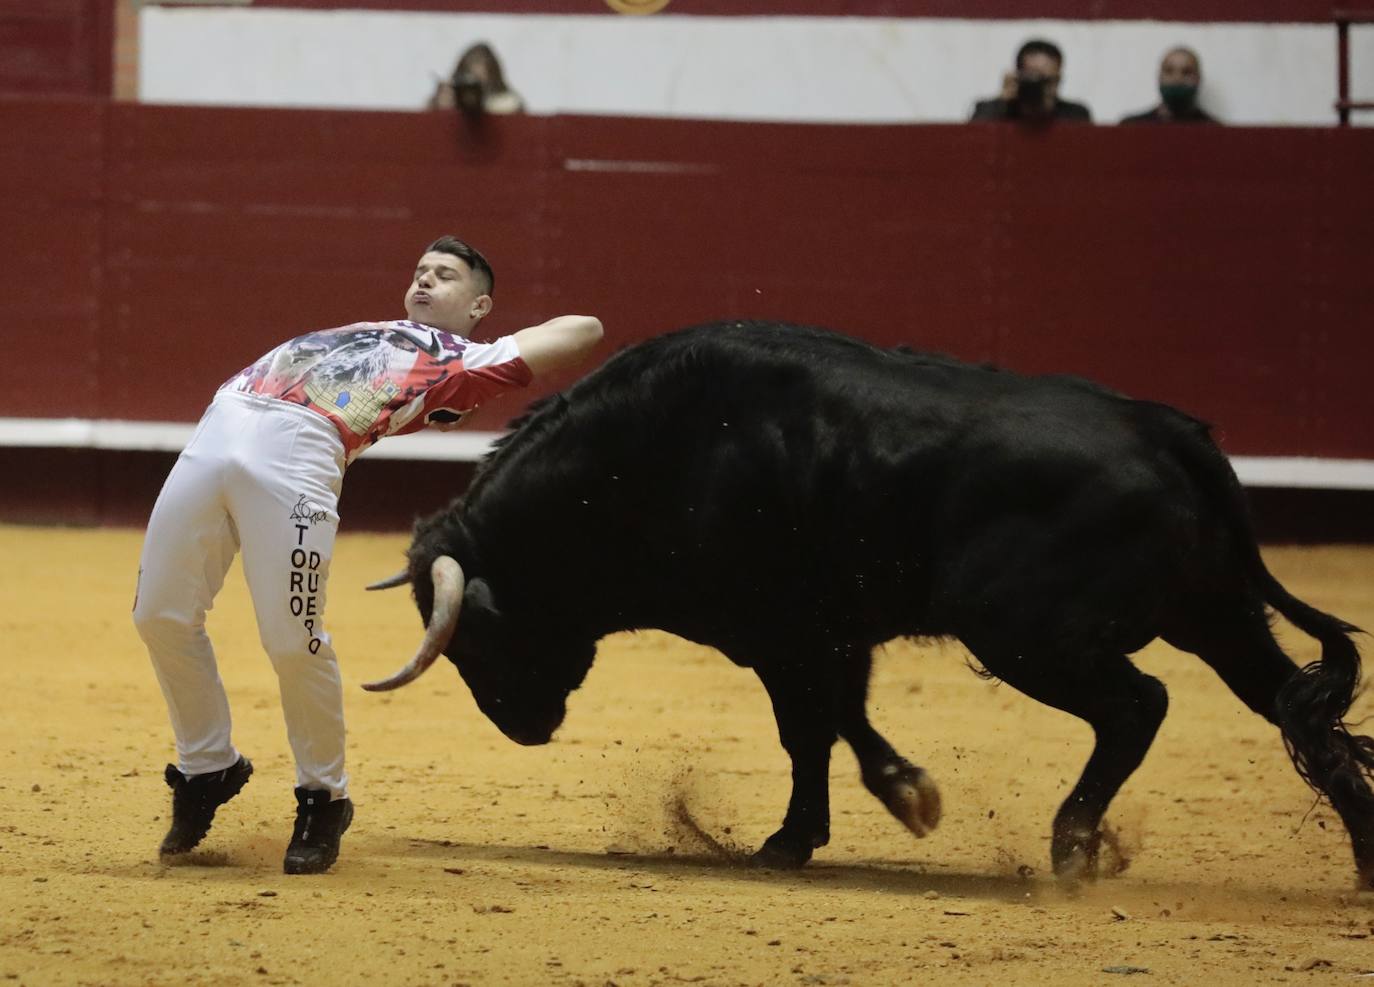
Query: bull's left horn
[(447, 575), (400, 579)]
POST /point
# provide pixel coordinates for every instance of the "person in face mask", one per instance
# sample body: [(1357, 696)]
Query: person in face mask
[(1030, 94), (1180, 76)]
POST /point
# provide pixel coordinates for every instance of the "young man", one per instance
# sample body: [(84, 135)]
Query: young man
[(263, 473), (1030, 94)]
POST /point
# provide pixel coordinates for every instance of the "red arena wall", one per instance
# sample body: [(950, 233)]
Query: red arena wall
[(150, 252), (56, 46)]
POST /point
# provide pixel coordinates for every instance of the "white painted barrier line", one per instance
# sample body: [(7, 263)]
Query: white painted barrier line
[(85, 433), (465, 447), (1304, 471)]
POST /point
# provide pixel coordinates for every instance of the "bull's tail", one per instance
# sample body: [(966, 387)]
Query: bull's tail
[(1312, 705)]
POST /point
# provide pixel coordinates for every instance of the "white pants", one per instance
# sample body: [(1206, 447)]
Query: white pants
[(263, 475)]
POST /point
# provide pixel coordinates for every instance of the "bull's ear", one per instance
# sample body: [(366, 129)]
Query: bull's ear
[(479, 603)]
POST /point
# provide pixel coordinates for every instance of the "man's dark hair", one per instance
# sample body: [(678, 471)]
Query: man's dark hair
[(1038, 46), (452, 245)]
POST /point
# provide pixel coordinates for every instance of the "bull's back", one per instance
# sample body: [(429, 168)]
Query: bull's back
[(807, 404), (783, 466)]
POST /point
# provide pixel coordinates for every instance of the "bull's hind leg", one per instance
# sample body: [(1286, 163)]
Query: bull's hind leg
[(1247, 658), (1122, 704), (906, 790)]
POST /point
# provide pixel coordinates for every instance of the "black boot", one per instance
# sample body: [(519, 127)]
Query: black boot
[(194, 801), (320, 824)]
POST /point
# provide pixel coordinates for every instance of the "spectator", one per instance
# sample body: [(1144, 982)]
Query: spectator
[(1031, 93), (1180, 75), (477, 86)]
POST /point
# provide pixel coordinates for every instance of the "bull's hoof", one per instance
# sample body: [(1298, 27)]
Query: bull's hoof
[(911, 795), (782, 853), (1074, 856)]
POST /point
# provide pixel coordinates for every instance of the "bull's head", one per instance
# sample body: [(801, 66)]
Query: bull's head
[(519, 673)]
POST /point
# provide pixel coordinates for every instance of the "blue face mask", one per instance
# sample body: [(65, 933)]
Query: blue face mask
[(1179, 97)]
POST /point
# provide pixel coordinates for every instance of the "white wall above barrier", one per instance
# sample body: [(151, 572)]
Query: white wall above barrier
[(830, 69)]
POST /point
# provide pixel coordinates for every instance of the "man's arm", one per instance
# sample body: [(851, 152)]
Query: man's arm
[(558, 342)]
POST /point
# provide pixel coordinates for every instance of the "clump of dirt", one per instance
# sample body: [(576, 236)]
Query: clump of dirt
[(1010, 864)]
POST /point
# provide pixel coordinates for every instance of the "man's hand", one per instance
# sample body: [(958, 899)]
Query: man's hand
[(1009, 82), (560, 341)]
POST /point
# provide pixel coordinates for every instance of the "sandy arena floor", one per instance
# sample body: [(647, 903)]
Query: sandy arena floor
[(473, 860)]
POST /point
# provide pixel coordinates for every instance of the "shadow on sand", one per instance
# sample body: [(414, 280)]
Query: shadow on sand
[(1239, 901), (723, 863)]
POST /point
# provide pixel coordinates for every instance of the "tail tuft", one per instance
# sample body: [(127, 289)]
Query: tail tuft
[(1312, 706)]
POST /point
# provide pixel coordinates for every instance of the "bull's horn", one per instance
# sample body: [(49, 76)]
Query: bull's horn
[(400, 579), (447, 575)]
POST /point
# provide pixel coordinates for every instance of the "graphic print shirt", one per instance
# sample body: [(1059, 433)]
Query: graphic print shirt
[(374, 379)]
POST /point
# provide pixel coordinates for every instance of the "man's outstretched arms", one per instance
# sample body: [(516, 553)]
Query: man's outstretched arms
[(561, 341)]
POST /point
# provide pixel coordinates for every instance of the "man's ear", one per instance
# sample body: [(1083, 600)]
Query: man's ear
[(482, 306)]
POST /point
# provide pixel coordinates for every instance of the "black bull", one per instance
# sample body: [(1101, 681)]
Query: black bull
[(794, 498)]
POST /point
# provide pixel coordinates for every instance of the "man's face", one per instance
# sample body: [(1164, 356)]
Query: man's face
[(1042, 69), (446, 294), (1179, 68)]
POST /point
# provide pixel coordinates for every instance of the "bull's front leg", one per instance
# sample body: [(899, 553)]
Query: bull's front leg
[(806, 728)]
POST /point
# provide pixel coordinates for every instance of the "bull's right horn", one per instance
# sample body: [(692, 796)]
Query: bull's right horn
[(400, 579), (447, 576)]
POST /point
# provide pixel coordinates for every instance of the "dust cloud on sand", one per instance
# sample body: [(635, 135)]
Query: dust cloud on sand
[(688, 831), (654, 816)]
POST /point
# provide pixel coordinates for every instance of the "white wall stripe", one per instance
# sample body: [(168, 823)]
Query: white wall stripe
[(85, 433), (795, 68), (1304, 472)]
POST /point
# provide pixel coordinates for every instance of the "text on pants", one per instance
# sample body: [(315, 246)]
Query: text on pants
[(305, 585)]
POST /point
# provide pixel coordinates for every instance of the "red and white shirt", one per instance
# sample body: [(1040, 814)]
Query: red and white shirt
[(374, 379)]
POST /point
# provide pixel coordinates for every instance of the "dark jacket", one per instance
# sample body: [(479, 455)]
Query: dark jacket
[(1002, 109), (1153, 115)]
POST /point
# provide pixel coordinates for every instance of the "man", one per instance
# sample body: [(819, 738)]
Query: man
[(1180, 76), (1030, 94), (263, 472)]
